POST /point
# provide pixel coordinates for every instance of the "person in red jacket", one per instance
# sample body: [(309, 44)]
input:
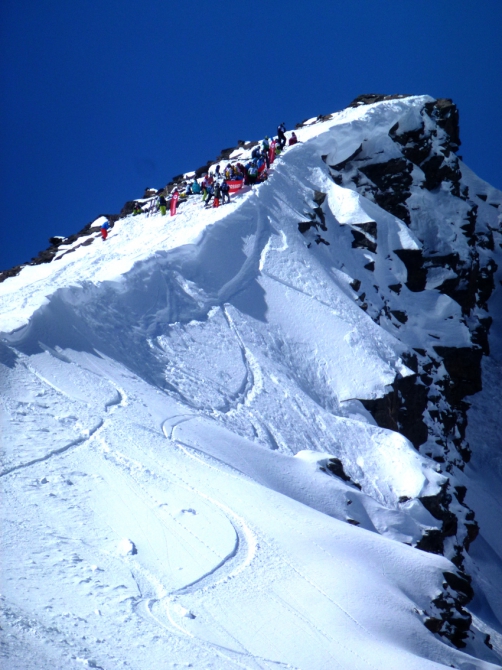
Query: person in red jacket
[(293, 139)]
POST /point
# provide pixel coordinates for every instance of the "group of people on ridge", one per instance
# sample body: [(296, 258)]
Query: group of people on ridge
[(215, 187)]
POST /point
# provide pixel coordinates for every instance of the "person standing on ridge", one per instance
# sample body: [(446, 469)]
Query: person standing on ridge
[(225, 188), (281, 130), (271, 152), (205, 186), (210, 193), (104, 229), (265, 147), (217, 193), (252, 173), (162, 205)]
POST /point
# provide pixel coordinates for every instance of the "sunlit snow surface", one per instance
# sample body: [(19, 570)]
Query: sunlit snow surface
[(171, 399)]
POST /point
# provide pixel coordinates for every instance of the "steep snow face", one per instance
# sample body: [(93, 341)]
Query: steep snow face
[(191, 469)]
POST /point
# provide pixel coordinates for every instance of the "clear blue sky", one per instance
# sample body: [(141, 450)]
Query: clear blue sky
[(101, 99)]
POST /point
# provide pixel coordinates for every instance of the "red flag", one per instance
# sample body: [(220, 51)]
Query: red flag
[(271, 152), (174, 202)]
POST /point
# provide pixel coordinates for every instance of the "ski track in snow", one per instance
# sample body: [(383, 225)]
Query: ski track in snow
[(110, 406), (228, 568), (241, 659), (54, 452), (244, 534), (254, 381)]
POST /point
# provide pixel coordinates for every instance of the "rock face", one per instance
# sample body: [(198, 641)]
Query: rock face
[(430, 407)]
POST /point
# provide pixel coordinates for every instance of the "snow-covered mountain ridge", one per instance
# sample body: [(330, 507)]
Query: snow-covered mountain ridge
[(196, 408)]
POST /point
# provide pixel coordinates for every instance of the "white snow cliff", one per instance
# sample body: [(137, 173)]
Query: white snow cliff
[(266, 434)]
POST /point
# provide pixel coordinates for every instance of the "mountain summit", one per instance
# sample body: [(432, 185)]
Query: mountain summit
[(265, 434)]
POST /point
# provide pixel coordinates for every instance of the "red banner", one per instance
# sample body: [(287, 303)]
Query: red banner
[(271, 152), (235, 185), (174, 202)]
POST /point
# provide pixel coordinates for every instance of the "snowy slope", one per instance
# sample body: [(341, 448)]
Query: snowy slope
[(192, 473)]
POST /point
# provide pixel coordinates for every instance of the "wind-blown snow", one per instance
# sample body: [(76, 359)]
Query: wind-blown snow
[(173, 399)]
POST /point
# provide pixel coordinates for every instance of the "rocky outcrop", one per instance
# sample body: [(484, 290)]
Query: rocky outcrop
[(371, 98), (48, 255), (430, 407), (449, 618)]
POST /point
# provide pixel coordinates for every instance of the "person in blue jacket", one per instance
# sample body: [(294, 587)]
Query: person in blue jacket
[(225, 192), (210, 193), (105, 227)]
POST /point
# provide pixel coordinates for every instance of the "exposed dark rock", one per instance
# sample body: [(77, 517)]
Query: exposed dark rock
[(416, 144), (335, 466), (319, 197), (462, 585), (355, 284), (431, 541), (370, 227), (202, 170), (402, 409), (445, 113), (393, 180), (433, 624), (128, 208), (485, 284), (463, 365), (321, 240), (224, 154), (371, 98), (371, 267), (460, 492), (472, 533), (361, 241), (399, 315), (321, 217), (303, 226), (417, 274), (436, 171), (479, 335), (438, 506), (56, 241), (391, 174), (396, 288), (471, 216)]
